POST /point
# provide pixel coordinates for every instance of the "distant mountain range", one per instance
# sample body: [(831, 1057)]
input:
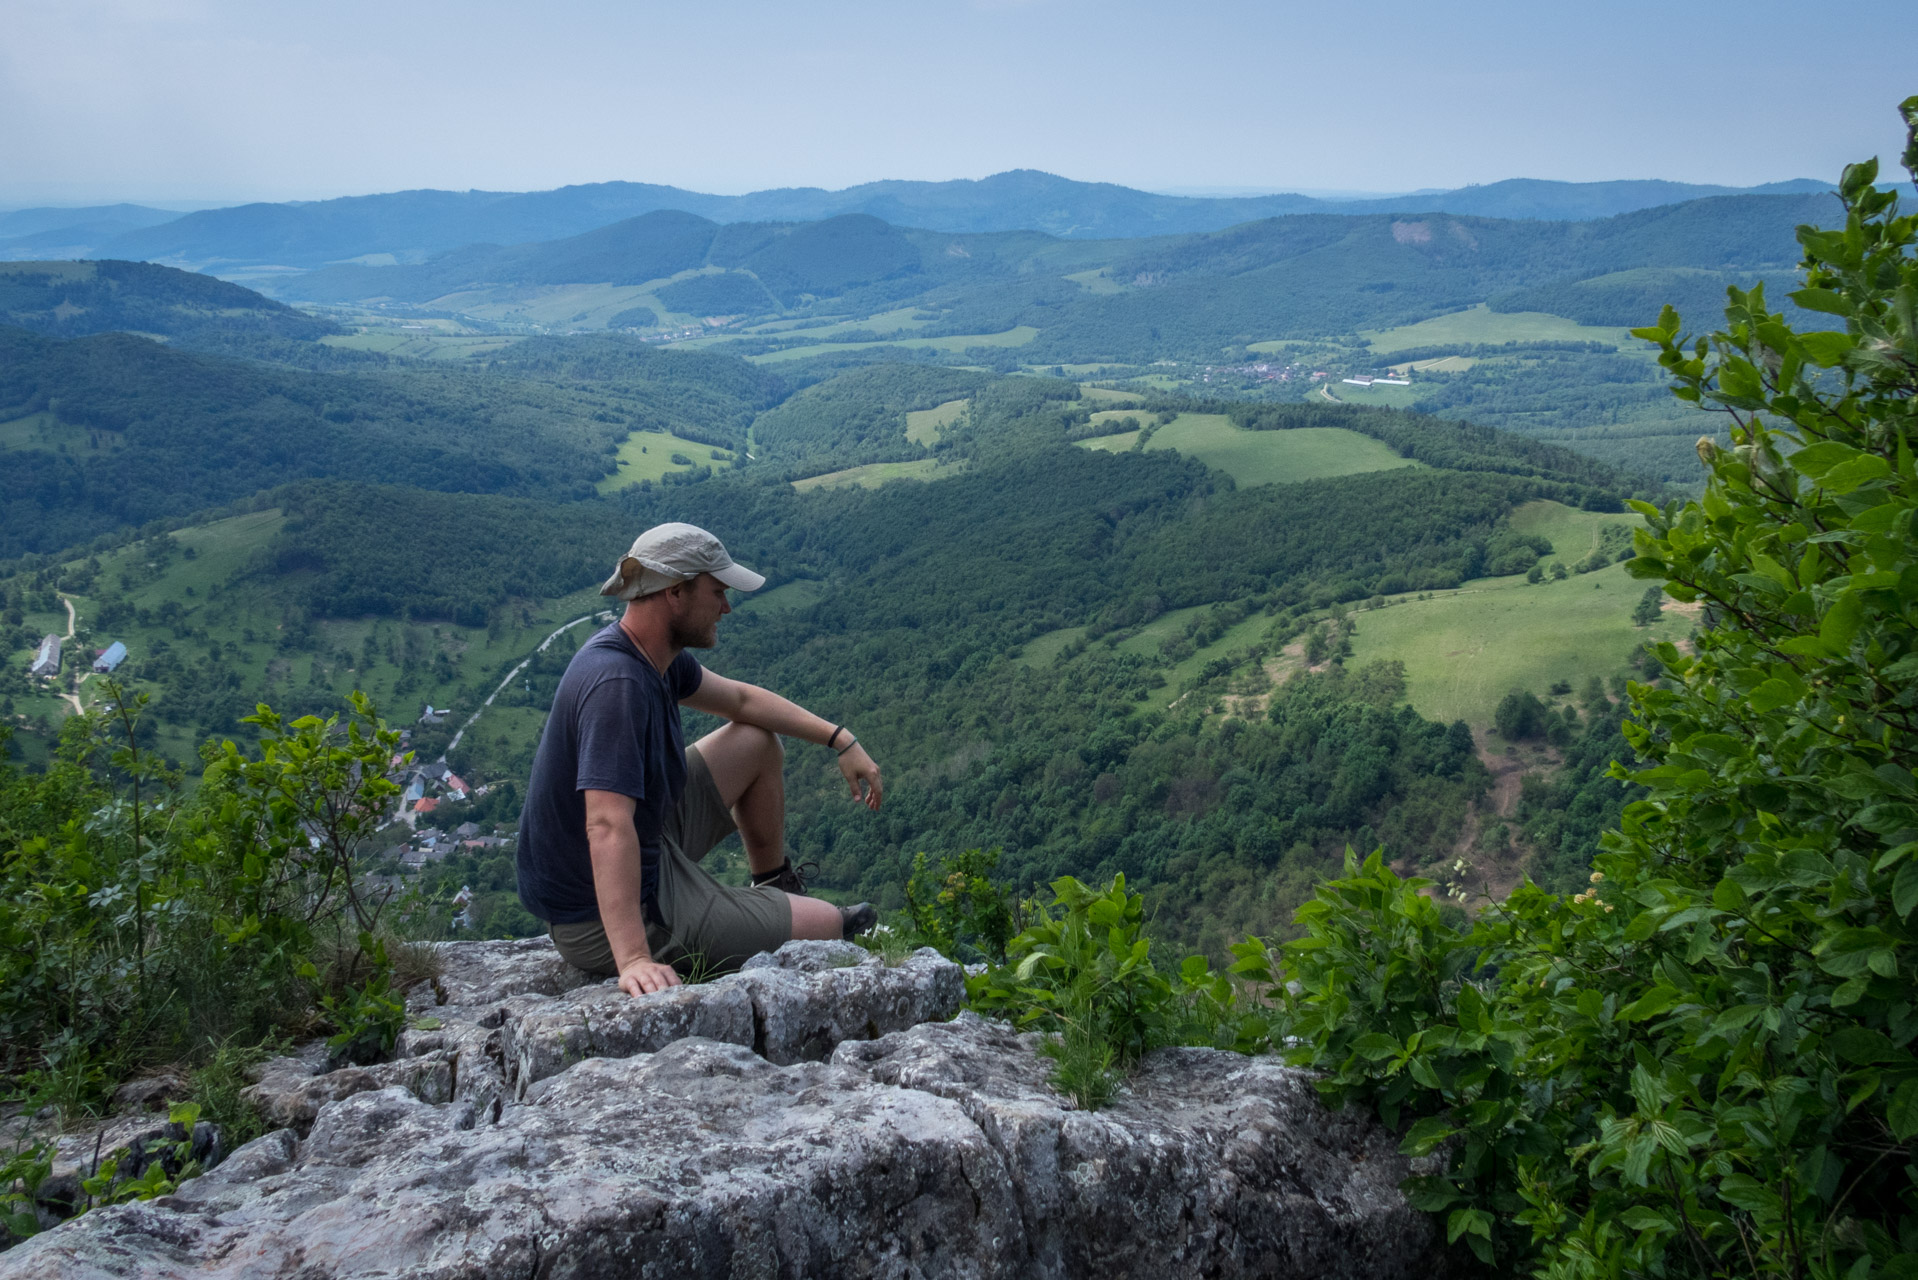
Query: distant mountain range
[(410, 226)]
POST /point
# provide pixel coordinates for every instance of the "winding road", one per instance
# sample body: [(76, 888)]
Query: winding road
[(406, 813), (72, 622)]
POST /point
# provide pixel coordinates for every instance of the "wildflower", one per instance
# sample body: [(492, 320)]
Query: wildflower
[(1598, 877)]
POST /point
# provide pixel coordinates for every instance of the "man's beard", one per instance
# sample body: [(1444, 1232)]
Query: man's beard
[(686, 637)]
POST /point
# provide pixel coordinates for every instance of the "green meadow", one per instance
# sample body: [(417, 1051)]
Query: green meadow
[(797, 594), (874, 474), (1464, 650), (648, 455), (1017, 337), (924, 425), (1261, 457), (1481, 324)]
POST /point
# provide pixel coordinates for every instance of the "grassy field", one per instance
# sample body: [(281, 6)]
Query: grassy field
[(561, 306), (1444, 364), (899, 320), (1096, 281), (1478, 324), (427, 345), (924, 425), (1042, 651), (1111, 444), (1108, 395), (874, 474), (648, 455), (1382, 397), (1464, 650), (958, 342), (797, 594), (1262, 457), (44, 430)]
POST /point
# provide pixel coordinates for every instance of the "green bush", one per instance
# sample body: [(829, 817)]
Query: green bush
[(1083, 970), (958, 907), (1702, 1064), (141, 923)]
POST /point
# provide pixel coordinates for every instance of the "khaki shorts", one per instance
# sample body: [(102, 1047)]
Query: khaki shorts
[(710, 928)]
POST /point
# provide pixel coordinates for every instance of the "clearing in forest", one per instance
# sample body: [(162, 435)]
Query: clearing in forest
[(649, 455), (874, 474), (1464, 650), (1263, 457), (924, 425)]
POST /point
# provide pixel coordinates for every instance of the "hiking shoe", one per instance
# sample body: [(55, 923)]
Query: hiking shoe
[(787, 877), (855, 920)]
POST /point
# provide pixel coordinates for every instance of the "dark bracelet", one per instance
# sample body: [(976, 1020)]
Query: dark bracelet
[(848, 747), (834, 737)]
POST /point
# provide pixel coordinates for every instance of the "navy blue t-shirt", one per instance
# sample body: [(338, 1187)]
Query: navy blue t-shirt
[(614, 727)]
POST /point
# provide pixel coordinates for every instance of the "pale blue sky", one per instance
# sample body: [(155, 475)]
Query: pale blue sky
[(281, 99)]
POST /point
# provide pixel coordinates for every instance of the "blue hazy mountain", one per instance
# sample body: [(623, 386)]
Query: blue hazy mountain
[(410, 226)]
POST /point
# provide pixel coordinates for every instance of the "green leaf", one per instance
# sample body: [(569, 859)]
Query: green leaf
[(1862, 1045), (1376, 1046), (1902, 1113), (1904, 889), (1771, 695), (1425, 1136), (1826, 348), (1830, 303), (1651, 1004), (1859, 471), (1640, 1218), (1461, 1222), (1745, 1192), (1841, 622)]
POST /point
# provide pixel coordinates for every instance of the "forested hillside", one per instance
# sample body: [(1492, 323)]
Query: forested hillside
[(114, 430), (73, 299)]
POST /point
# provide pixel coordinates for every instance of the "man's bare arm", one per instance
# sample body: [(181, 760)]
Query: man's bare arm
[(616, 883), (744, 703)]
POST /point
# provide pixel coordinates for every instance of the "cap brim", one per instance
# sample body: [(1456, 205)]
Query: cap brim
[(739, 577)]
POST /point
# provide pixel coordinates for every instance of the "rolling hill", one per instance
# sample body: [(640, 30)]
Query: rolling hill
[(411, 225)]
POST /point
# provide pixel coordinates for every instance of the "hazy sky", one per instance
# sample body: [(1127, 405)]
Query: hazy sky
[(224, 100)]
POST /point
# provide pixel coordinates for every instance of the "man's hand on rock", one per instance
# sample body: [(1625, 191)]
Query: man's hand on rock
[(862, 775), (643, 977)]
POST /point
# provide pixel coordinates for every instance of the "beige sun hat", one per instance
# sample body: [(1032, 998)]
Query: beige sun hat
[(669, 553)]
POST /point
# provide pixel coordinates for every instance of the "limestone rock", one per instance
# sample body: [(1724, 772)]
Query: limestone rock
[(153, 1092), (292, 1101), (938, 1151), (807, 999), (605, 1022), (477, 973)]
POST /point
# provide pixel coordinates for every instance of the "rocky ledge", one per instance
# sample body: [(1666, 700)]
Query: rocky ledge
[(814, 1114)]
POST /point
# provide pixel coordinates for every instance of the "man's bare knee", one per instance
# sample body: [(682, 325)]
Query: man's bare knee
[(738, 755)]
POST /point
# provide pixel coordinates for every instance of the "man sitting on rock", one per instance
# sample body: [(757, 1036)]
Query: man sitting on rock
[(620, 810)]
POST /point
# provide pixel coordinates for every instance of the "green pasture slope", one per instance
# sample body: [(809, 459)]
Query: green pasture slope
[(1261, 457), (1481, 324), (873, 474), (924, 425), (1464, 650), (648, 455)]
